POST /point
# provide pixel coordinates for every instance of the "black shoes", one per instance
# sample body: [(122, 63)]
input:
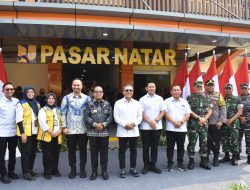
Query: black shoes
[(145, 169), (56, 173), (191, 164), (105, 175), (152, 168), (181, 167), (47, 176), (238, 156), (12, 175), (170, 167), (123, 173), (155, 169), (72, 173), (226, 158), (34, 174), (83, 174), (216, 161), (134, 172), (5, 179), (28, 177), (248, 159), (204, 164), (234, 160), (93, 175)]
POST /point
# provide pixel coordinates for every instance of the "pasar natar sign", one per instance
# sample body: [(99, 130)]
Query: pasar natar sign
[(95, 55)]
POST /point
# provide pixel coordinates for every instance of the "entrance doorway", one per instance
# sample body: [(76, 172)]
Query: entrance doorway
[(162, 82), (106, 76)]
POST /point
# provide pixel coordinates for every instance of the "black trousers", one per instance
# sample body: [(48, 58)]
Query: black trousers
[(51, 151), (213, 140), (241, 134), (178, 138), (28, 153), (99, 144), (150, 138), (12, 144), (123, 141), (81, 141)]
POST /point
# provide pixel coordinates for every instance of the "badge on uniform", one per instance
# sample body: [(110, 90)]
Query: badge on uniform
[(93, 111)]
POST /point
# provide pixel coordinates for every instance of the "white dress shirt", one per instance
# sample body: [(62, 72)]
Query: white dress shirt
[(151, 106), (8, 116), (127, 112), (42, 118), (177, 109), (19, 118)]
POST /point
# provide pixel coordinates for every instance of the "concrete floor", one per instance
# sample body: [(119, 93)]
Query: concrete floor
[(217, 178)]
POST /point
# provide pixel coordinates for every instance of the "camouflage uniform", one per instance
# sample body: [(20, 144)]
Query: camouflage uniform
[(230, 134), (200, 105), (246, 126)]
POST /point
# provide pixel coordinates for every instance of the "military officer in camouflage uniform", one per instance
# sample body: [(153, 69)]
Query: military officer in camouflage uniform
[(198, 125), (245, 118), (230, 131), (218, 117)]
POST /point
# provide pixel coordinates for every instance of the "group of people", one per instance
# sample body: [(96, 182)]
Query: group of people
[(208, 115)]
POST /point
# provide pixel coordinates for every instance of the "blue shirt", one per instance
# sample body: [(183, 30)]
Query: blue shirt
[(72, 113)]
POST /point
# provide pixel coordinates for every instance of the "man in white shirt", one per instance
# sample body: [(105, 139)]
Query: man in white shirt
[(74, 126), (127, 115), (177, 113), (153, 110), (8, 132)]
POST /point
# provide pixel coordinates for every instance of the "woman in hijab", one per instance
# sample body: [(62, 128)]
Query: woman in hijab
[(26, 119), (50, 135)]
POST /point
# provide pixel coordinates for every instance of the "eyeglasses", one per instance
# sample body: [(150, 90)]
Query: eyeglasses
[(9, 89), (98, 91), (128, 90)]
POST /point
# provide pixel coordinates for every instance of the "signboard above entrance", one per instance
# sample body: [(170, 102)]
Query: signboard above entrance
[(95, 55)]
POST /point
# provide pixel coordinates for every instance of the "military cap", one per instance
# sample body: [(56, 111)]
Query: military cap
[(244, 85), (228, 85), (198, 83), (208, 82)]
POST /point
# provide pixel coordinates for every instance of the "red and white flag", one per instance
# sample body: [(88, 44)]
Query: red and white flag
[(181, 78), (242, 73), (211, 74), (227, 76), (195, 74), (3, 76)]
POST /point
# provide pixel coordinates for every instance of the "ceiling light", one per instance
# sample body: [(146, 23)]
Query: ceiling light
[(105, 34), (214, 41)]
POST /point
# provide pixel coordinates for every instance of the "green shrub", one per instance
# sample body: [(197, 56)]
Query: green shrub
[(236, 186)]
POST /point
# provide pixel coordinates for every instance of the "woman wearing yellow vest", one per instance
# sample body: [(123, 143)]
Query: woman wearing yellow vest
[(50, 135), (26, 119)]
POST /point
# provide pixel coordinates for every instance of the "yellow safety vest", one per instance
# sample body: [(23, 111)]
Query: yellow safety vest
[(44, 135), (27, 118)]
